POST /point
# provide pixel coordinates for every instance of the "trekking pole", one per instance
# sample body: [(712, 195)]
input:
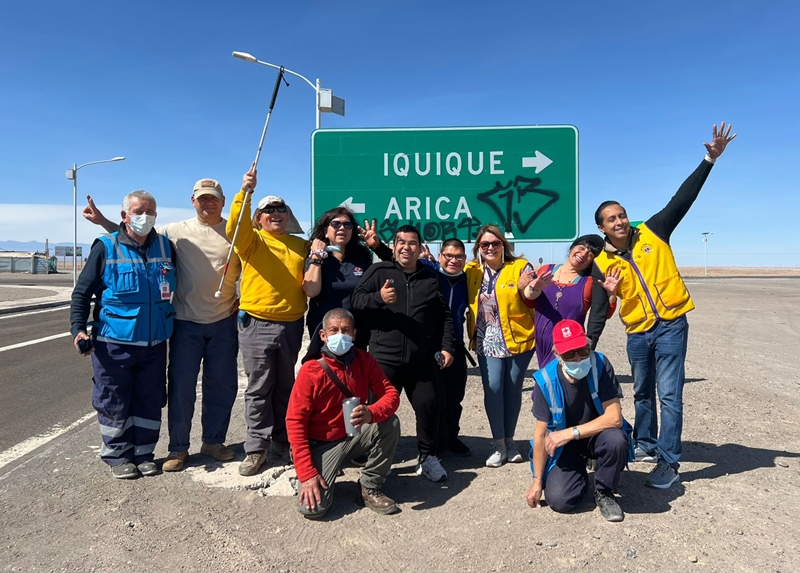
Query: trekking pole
[(248, 191)]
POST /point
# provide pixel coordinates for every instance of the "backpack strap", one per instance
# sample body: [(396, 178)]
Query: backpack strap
[(334, 378)]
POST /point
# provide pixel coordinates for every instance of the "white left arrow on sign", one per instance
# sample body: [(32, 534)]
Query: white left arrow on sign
[(540, 162), (356, 207)]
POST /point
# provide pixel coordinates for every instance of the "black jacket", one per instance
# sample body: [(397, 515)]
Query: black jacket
[(416, 326)]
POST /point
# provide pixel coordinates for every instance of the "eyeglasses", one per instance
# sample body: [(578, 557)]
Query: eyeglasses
[(271, 209), (449, 257), (336, 224), (571, 354), (486, 245)]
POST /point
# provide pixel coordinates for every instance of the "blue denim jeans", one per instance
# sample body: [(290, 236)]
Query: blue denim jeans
[(216, 346), (502, 391), (657, 363)]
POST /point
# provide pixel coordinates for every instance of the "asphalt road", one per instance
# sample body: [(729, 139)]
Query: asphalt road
[(42, 384), (60, 279)]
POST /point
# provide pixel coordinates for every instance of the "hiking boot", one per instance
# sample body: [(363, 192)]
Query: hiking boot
[(175, 461), (512, 453), (497, 459), (431, 468), (458, 448), (281, 450), (124, 471), (662, 476), (608, 506), (377, 501), (219, 452), (252, 463), (147, 468), (642, 455)]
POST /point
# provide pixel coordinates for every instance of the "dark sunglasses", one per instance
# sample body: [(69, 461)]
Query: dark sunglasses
[(271, 209), (336, 224), (572, 354), (490, 244)]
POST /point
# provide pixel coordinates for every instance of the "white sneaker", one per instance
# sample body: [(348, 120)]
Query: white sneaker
[(497, 459), (512, 453), (432, 469)]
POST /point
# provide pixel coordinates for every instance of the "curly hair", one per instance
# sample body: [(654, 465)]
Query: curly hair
[(354, 246)]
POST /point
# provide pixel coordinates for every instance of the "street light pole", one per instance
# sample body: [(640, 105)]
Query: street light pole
[(73, 174), (705, 252), (331, 104)]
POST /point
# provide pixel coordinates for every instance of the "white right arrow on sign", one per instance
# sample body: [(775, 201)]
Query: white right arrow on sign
[(540, 162)]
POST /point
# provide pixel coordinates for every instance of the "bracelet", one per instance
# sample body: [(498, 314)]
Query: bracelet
[(537, 478), (319, 253), (316, 262)]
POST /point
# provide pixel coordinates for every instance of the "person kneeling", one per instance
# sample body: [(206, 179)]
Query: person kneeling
[(316, 427), (578, 416)]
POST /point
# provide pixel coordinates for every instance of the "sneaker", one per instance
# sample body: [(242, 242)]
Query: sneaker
[(281, 450), (512, 453), (642, 455), (219, 452), (124, 471), (175, 461), (147, 468), (591, 465), (378, 501), (458, 448), (431, 468), (252, 463), (608, 506), (497, 459), (662, 476)]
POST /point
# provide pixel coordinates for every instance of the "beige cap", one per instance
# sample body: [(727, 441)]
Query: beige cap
[(207, 187)]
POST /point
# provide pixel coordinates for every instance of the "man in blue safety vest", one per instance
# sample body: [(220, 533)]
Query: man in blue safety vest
[(131, 275)]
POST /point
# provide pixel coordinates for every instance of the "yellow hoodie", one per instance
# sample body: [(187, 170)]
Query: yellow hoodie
[(272, 268)]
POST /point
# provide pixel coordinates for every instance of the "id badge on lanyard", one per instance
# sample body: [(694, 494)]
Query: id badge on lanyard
[(165, 292)]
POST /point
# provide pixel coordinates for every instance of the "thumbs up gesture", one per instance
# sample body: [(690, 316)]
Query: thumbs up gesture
[(388, 294)]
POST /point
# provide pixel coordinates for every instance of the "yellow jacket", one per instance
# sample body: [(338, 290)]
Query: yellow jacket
[(516, 318), (650, 288), (272, 268)]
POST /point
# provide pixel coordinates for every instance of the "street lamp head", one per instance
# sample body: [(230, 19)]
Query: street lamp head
[(118, 159), (245, 56)]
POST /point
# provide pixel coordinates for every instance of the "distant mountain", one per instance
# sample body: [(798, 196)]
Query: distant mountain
[(36, 246)]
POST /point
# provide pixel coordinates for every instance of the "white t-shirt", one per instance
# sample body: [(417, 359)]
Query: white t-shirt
[(200, 253)]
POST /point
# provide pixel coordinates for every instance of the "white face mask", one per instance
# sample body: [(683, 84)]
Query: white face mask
[(141, 224), (339, 344)]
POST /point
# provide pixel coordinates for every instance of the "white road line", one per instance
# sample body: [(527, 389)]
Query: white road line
[(37, 341), (27, 446), (15, 315)]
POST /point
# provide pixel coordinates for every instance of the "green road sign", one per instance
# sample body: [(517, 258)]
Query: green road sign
[(450, 181)]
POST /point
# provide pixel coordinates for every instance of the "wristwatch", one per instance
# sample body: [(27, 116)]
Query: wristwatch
[(576, 433)]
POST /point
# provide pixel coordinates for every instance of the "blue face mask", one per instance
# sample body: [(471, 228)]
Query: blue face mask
[(445, 273), (578, 370), (339, 344)]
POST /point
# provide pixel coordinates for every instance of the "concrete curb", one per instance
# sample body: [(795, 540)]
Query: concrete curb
[(29, 307)]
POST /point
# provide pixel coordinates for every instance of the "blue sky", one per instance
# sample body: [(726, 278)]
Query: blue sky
[(644, 83)]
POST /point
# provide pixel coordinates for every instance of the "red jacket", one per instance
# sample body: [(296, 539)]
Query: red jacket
[(315, 406)]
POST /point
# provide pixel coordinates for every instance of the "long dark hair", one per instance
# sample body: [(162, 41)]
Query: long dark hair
[(354, 247)]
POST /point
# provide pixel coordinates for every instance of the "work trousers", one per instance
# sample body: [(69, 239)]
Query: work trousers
[(421, 383), (269, 351), (567, 481), (378, 440), (216, 346), (130, 389)]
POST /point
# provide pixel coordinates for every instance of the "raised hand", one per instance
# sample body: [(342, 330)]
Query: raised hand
[(388, 293), (721, 138), (525, 279), (612, 281), (425, 253), (542, 281), (369, 234), (91, 213), (250, 179)]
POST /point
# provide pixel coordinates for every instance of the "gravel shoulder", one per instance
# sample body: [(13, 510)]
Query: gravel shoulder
[(735, 508)]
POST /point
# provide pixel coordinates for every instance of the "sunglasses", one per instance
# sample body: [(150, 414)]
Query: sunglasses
[(336, 224), (572, 354), (449, 257), (486, 245), (270, 210)]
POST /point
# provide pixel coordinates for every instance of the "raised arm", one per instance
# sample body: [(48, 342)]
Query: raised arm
[(241, 207), (92, 214)]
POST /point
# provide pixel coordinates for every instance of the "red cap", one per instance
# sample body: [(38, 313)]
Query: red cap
[(569, 335)]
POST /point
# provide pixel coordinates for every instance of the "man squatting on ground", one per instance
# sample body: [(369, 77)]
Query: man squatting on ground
[(653, 307), (131, 274), (578, 417), (410, 322), (204, 327), (315, 422)]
